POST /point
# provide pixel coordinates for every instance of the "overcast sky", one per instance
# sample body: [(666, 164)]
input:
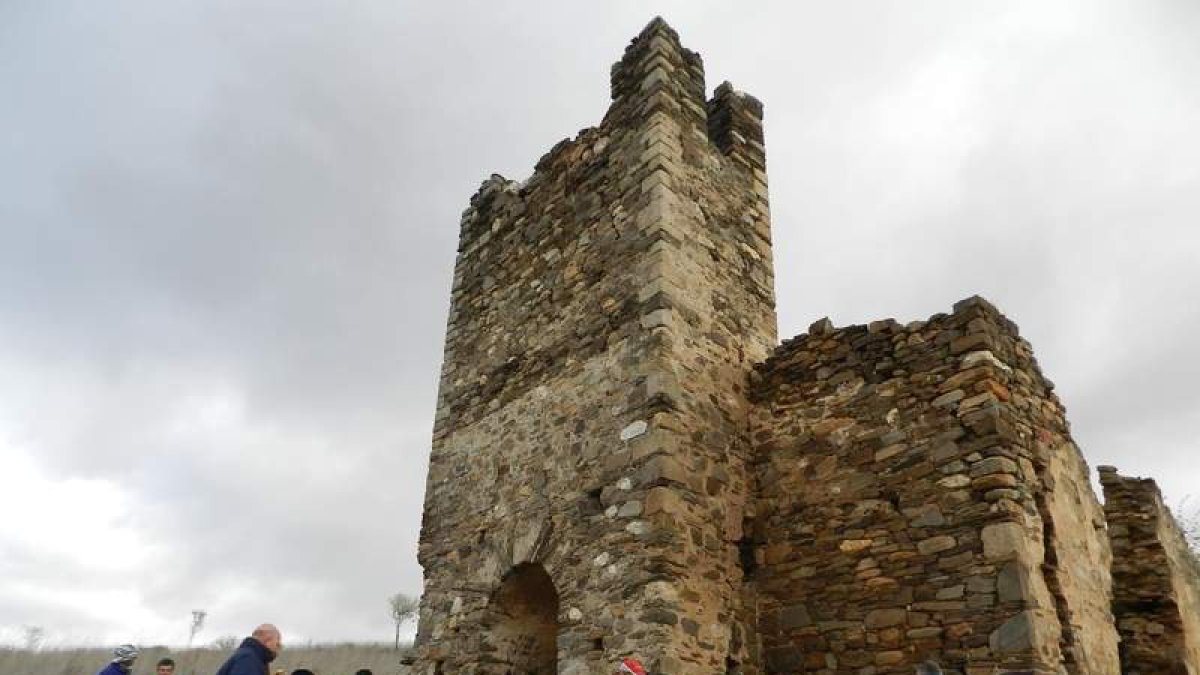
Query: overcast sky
[(227, 230)]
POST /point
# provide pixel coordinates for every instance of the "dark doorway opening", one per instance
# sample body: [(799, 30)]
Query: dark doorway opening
[(523, 622)]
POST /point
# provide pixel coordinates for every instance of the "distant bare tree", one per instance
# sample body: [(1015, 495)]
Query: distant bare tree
[(198, 616), (34, 636), (226, 642), (403, 607)]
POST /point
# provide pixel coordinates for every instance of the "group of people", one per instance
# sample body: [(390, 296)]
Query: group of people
[(252, 657), (125, 655), (255, 654)]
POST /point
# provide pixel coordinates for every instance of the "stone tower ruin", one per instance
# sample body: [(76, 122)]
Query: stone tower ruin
[(626, 462)]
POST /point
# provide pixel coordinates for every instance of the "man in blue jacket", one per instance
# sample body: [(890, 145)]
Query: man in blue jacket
[(252, 656), (122, 663)]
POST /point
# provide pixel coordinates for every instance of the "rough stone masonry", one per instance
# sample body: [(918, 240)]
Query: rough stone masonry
[(625, 463)]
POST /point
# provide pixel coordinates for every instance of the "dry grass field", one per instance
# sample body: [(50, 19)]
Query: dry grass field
[(340, 659)]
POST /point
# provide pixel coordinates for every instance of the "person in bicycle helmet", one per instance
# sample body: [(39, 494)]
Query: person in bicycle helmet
[(122, 662)]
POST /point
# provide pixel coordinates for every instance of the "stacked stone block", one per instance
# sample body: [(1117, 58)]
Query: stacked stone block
[(1156, 580), (902, 511)]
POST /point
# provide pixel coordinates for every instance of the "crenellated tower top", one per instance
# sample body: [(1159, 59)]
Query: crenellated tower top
[(658, 74)]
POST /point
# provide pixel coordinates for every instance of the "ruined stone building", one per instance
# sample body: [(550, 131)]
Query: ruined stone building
[(627, 462)]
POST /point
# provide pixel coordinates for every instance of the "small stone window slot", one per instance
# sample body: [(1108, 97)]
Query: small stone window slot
[(598, 644), (590, 505), (746, 557), (892, 498)]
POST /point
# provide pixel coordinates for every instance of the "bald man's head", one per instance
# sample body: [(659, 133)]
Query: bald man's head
[(269, 636)]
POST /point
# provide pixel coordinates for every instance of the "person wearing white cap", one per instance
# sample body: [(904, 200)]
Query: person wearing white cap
[(122, 662)]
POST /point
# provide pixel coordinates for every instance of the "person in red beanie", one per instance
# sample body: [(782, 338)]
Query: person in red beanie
[(630, 667)]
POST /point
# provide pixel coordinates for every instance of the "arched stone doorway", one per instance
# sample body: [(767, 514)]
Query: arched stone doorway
[(523, 623)]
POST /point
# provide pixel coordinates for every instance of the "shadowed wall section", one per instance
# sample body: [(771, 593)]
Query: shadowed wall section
[(1156, 580)]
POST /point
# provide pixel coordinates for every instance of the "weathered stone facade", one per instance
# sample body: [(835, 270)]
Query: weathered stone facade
[(905, 507), (624, 463), (1156, 580)]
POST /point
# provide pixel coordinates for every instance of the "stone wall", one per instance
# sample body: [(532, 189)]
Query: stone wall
[(1156, 580), (592, 416), (624, 463), (914, 482)]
